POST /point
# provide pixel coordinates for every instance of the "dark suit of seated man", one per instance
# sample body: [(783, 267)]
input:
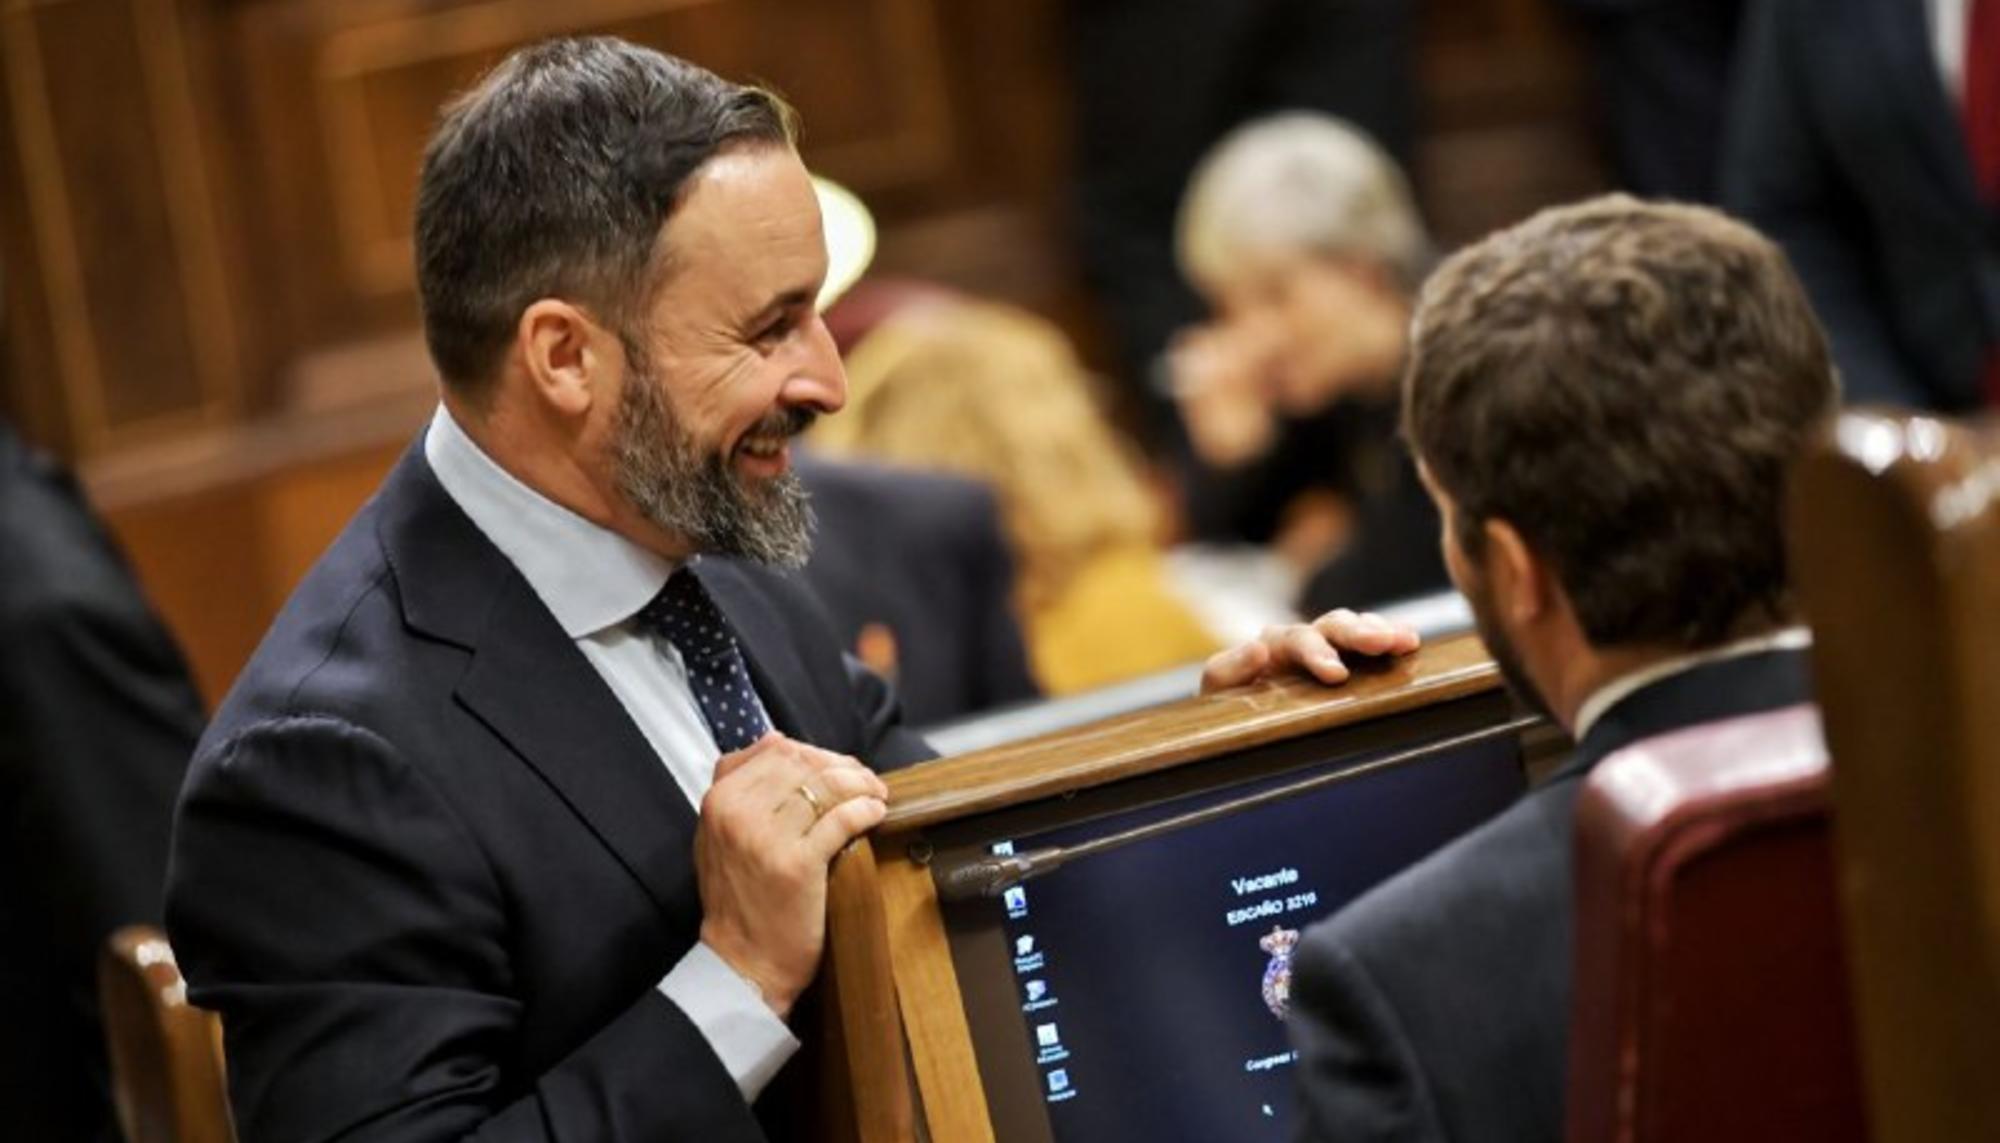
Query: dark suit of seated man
[(517, 825), (97, 719), (915, 572), (1604, 401)]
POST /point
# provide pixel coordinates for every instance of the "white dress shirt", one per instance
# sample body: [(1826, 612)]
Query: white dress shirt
[(1610, 694), (1949, 19), (595, 582)]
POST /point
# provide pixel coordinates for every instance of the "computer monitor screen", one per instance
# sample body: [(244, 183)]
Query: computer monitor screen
[(1146, 985)]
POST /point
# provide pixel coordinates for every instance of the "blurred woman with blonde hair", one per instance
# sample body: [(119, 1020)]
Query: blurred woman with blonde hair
[(998, 394)]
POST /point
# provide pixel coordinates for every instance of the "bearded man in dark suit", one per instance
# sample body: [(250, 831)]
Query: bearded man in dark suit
[(1603, 401), (517, 825), (511, 827)]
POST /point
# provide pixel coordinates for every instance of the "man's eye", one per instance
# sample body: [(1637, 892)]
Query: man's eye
[(776, 330)]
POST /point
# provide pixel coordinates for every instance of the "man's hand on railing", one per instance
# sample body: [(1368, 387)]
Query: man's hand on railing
[(1313, 648)]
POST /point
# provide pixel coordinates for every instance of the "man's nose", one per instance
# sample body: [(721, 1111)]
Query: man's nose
[(820, 382)]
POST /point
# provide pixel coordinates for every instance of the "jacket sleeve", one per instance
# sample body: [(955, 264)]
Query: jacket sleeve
[(325, 899), (1778, 174), (1359, 1081)]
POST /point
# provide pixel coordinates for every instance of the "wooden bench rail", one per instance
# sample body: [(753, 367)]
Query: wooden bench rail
[(1166, 736)]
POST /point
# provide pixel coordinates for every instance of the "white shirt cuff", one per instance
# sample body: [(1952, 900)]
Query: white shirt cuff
[(746, 1035)]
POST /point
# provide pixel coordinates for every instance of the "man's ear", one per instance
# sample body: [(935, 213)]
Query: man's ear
[(566, 356), (1520, 582)]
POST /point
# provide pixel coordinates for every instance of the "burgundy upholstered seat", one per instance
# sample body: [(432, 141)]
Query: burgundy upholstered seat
[(1711, 998)]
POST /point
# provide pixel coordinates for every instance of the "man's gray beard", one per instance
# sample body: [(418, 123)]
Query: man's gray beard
[(696, 495)]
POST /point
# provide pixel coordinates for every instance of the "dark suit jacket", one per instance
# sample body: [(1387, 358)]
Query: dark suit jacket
[(430, 873), (97, 719), (922, 556), (1845, 147), (1437, 1006), (1662, 71)]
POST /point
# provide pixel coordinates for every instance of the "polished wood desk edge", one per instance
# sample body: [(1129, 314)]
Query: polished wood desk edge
[(1165, 736)]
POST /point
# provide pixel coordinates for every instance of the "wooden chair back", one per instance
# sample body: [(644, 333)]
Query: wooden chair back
[(166, 1054), (1711, 997), (1895, 533)]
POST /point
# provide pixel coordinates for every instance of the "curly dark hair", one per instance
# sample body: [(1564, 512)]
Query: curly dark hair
[(1626, 383)]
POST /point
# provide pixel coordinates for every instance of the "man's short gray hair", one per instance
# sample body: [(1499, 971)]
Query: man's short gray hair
[(1300, 182)]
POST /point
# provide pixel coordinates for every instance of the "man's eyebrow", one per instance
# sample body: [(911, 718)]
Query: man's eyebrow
[(785, 301)]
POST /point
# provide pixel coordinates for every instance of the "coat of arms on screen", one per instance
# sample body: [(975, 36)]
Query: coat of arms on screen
[(1278, 974)]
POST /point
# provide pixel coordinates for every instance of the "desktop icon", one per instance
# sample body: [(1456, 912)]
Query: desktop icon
[(1037, 989), (1059, 1080), (1017, 902), (1003, 849), (1045, 1035), (1023, 945)]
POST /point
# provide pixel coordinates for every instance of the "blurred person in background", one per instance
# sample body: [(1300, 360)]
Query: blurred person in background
[(999, 395), (1301, 233), (917, 577), (1865, 138), (1156, 85), (97, 721)]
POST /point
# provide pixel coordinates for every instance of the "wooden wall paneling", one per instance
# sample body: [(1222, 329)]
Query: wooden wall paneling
[(203, 566), (126, 252), (350, 92), (1506, 124), (30, 370)]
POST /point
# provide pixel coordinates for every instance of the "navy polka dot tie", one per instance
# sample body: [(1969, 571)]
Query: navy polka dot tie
[(688, 618)]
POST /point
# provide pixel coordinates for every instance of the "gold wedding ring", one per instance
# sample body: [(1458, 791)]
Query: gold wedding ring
[(812, 800)]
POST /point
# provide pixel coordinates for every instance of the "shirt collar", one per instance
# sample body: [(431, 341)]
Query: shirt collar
[(1617, 690), (590, 578)]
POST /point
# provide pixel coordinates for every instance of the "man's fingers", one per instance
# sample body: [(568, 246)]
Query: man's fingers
[(842, 824), (1366, 633), (853, 774), (776, 763), (1305, 648), (1234, 667), (838, 784)]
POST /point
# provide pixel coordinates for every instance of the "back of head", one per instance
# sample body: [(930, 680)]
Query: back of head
[(999, 395), (1299, 183), (1626, 383), (553, 178)]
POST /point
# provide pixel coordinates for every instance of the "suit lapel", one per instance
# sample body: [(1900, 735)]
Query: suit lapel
[(534, 688), (531, 685), (781, 678)]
